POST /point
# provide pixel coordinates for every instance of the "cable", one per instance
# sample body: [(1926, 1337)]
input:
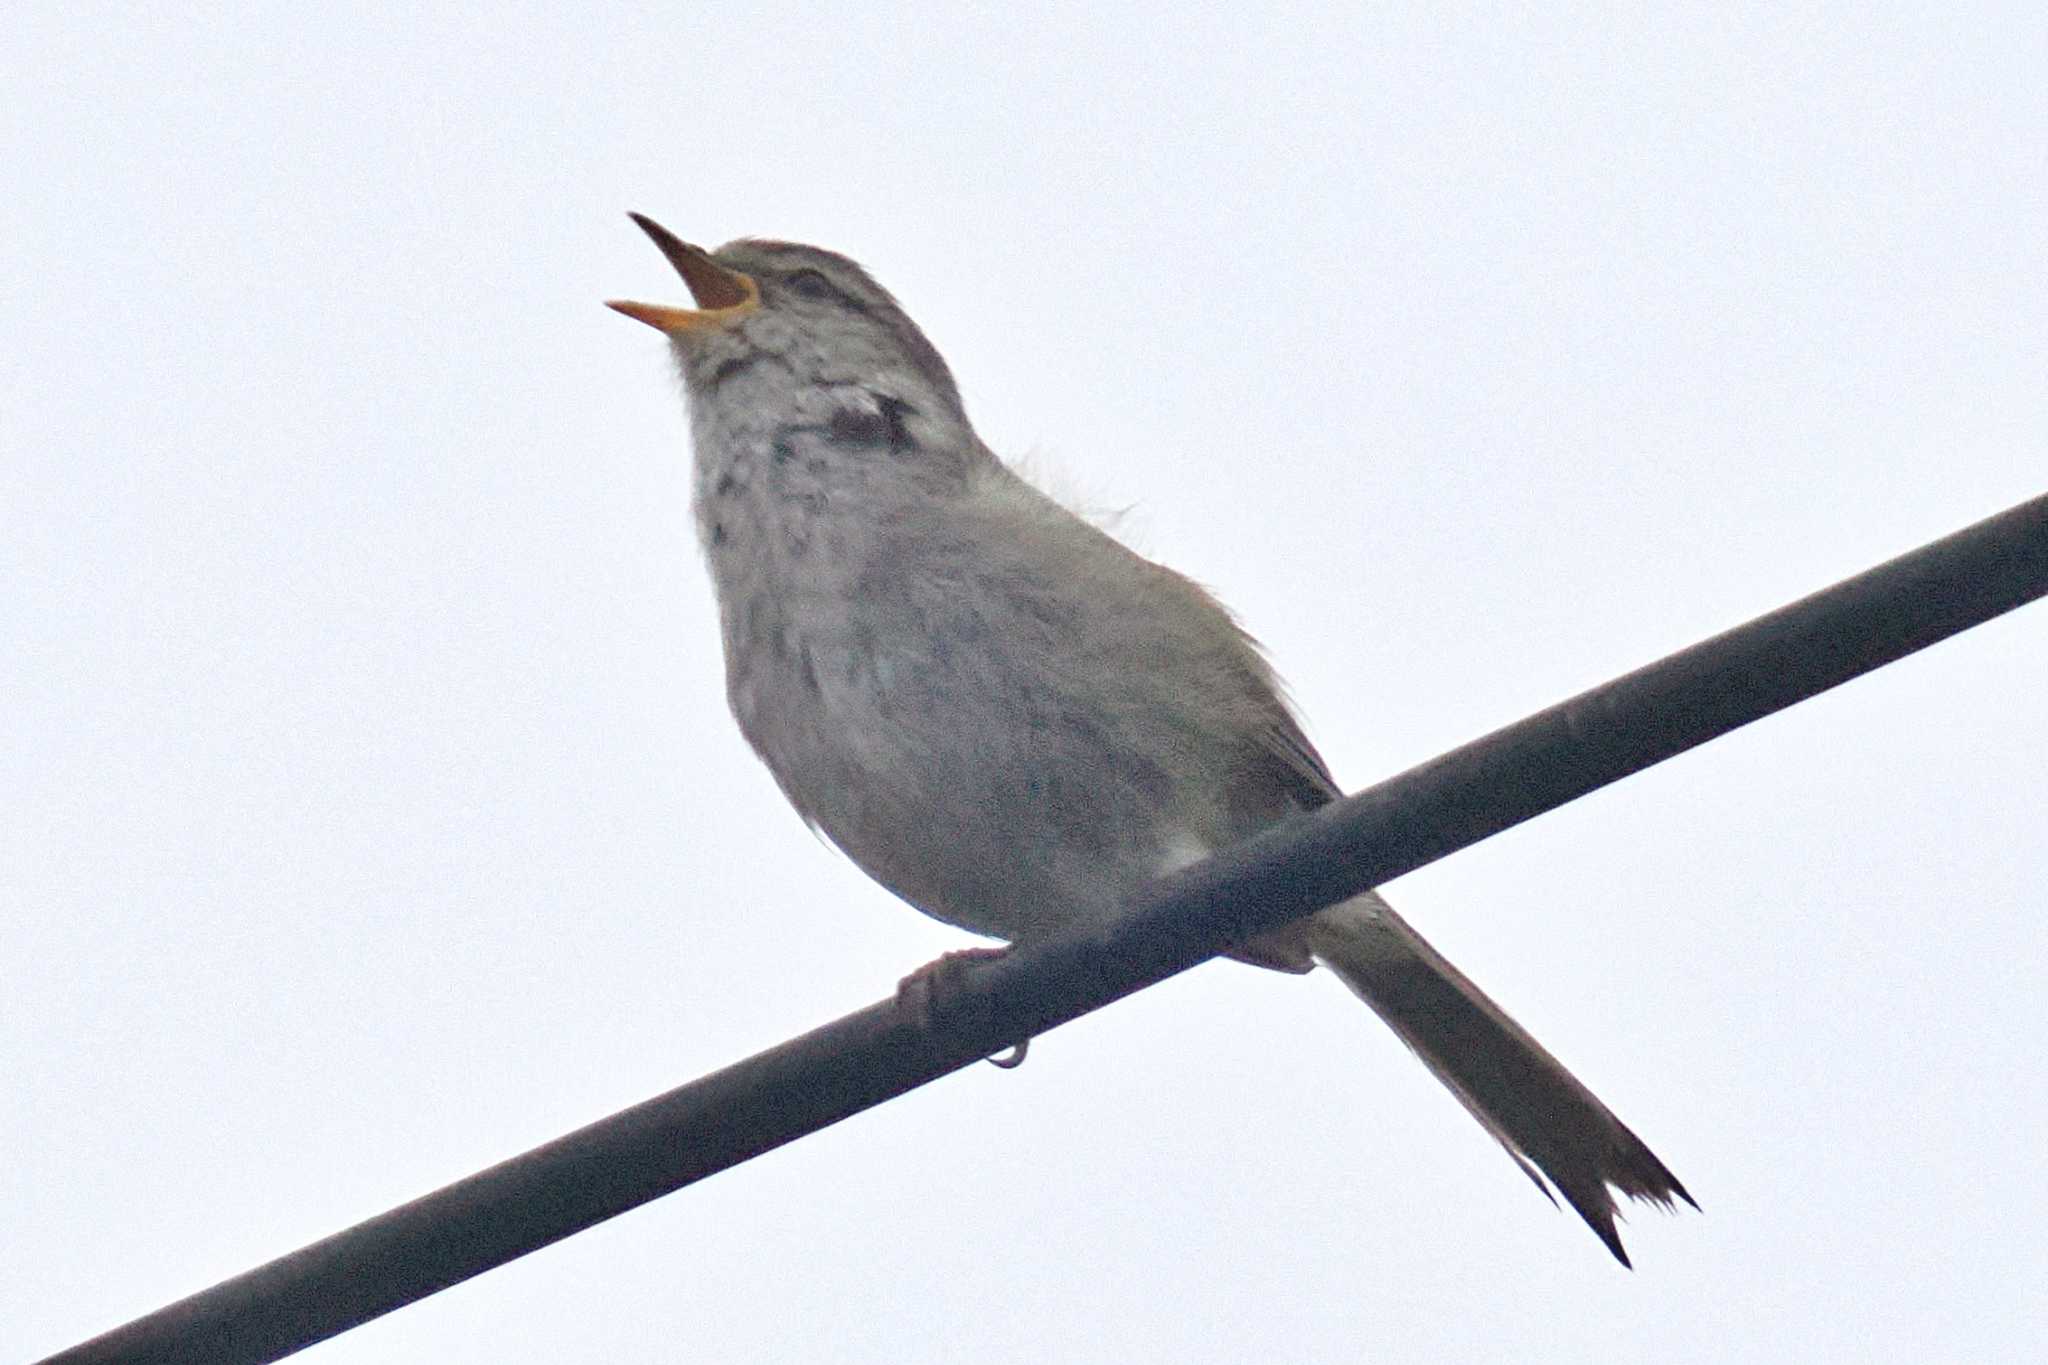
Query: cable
[(1455, 800)]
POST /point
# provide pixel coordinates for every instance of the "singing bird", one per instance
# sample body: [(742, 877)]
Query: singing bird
[(1000, 712)]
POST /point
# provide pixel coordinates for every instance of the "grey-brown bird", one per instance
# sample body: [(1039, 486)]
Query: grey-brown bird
[(1001, 713)]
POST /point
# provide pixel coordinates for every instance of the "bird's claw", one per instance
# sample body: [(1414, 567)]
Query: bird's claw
[(1014, 1058), (916, 993)]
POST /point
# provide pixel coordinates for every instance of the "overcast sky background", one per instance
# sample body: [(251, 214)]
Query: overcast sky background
[(372, 813)]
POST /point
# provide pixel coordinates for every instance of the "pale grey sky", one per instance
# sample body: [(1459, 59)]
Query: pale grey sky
[(372, 812)]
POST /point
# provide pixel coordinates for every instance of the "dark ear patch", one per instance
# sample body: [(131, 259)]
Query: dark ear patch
[(882, 427)]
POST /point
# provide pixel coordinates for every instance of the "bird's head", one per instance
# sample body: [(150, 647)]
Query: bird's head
[(802, 329)]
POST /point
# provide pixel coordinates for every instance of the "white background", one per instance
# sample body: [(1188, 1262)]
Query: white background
[(371, 812)]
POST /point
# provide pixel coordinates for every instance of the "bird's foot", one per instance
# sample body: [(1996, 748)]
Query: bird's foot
[(916, 994)]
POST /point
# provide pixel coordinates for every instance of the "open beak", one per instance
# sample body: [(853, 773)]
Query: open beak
[(722, 295)]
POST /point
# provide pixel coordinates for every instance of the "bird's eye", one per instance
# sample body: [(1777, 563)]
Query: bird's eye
[(811, 284)]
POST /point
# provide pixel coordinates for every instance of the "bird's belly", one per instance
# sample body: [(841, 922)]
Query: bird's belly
[(980, 802)]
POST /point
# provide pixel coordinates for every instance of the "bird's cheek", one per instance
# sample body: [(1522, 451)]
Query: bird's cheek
[(770, 332)]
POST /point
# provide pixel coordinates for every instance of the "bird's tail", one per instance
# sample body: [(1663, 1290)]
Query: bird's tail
[(1521, 1094)]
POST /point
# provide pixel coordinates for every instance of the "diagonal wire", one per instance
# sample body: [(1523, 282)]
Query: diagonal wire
[(800, 1086)]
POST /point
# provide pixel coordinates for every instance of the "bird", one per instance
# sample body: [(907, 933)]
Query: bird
[(1003, 714)]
